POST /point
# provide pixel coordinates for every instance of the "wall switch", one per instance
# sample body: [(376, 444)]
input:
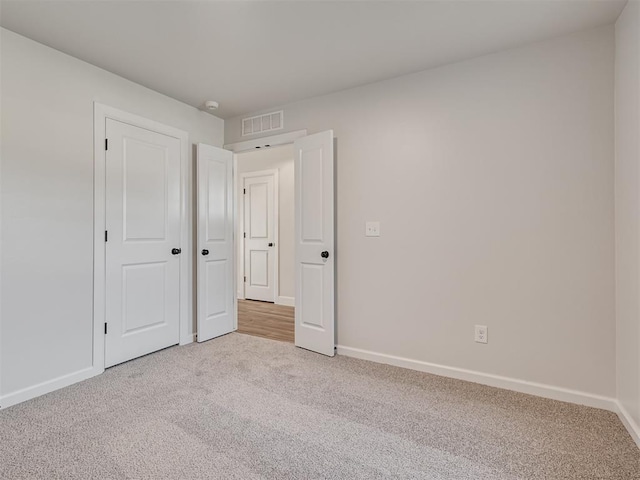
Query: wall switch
[(372, 229), (482, 334)]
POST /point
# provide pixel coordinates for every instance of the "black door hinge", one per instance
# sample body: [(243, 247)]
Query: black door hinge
[(105, 328), (106, 235), (244, 190), (245, 234), (106, 144), (245, 279)]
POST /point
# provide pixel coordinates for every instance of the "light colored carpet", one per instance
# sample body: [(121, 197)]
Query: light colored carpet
[(241, 407)]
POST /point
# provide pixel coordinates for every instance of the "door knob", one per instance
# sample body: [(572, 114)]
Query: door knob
[(205, 252), (271, 244), (324, 254), (176, 251)]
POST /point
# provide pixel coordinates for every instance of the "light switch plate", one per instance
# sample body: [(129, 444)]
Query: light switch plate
[(372, 229)]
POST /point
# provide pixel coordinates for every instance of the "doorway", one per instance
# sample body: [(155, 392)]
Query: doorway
[(313, 238), (265, 246)]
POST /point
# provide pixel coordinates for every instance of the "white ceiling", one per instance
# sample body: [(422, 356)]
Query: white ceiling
[(254, 55)]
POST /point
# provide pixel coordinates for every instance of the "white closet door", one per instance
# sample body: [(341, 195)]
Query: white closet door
[(315, 254), (216, 292), (143, 229)]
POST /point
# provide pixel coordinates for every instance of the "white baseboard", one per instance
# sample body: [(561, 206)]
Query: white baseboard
[(48, 386), (288, 301), (523, 386), (187, 339), (629, 423)]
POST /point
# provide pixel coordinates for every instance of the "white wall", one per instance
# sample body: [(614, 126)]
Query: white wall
[(628, 208), (493, 182), (47, 203), (281, 159)]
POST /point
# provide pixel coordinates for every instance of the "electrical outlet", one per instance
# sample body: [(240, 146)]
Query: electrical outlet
[(482, 334), (372, 229)]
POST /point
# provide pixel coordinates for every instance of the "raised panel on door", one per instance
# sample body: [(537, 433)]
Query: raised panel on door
[(215, 292), (144, 296), (216, 288), (143, 219), (311, 304), (258, 269), (216, 192), (145, 190), (311, 196), (315, 253), (258, 214)]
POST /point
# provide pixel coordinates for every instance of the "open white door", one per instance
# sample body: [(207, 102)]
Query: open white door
[(216, 301), (314, 230)]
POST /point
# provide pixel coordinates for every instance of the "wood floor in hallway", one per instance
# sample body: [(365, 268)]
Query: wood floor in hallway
[(266, 320)]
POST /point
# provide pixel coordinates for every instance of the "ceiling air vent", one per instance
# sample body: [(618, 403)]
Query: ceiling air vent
[(262, 123)]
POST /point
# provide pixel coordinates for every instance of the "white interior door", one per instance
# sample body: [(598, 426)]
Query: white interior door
[(143, 227), (315, 256), (216, 288), (259, 234)]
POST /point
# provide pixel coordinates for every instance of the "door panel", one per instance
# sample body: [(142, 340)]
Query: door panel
[(143, 224), (314, 190), (144, 296), (216, 299), (259, 230), (311, 196), (145, 189)]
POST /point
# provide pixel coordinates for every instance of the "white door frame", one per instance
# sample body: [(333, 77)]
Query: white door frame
[(100, 115), (276, 227)]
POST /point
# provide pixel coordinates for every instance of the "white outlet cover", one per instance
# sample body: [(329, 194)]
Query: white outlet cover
[(372, 229), (482, 334)]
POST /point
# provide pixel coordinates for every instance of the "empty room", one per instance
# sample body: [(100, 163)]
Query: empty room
[(320, 240)]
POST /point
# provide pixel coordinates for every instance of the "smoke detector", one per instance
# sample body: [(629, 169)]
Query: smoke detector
[(211, 105)]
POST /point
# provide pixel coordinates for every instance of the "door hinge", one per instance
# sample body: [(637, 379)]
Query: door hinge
[(245, 279), (244, 191), (105, 328), (106, 235), (106, 144), (245, 234)]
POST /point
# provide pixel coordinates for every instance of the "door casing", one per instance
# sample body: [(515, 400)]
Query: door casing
[(101, 113)]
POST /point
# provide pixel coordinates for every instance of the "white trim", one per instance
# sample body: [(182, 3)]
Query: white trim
[(266, 142), (48, 386), (276, 228), (629, 423), (523, 386), (188, 339), (101, 113), (286, 301)]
